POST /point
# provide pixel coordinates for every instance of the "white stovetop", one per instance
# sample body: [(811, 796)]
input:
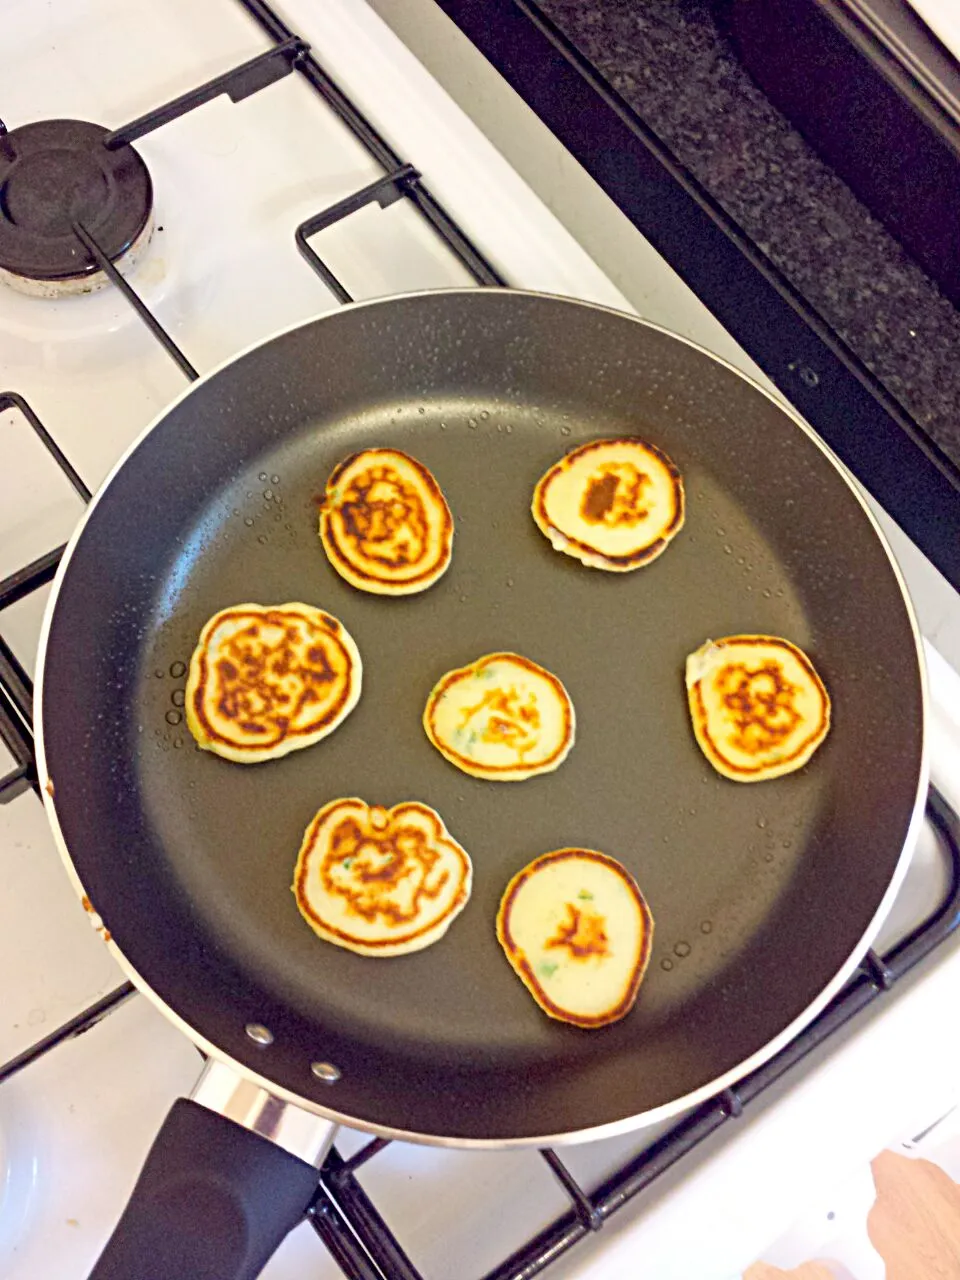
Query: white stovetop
[(232, 181), (943, 19)]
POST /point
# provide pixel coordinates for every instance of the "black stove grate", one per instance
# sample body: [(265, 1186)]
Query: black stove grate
[(400, 181), (342, 1213)]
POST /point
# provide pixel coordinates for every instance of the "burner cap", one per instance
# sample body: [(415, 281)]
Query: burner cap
[(55, 172)]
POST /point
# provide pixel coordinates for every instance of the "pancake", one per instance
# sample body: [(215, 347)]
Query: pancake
[(266, 680), (611, 504), (758, 707), (381, 882), (503, 718), (385, 525), (577, 931)]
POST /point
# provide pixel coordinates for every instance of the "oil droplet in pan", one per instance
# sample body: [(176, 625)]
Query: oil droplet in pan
[(666, 964)]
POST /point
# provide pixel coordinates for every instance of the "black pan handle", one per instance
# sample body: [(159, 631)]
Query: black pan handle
[(215, 1198)]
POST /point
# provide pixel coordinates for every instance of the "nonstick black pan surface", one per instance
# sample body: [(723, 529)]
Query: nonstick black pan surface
[(763, 894)]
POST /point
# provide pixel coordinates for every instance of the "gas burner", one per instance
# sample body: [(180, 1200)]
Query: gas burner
[(54, 174)]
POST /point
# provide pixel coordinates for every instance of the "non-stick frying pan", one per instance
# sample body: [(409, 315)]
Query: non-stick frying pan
[(764, 895)]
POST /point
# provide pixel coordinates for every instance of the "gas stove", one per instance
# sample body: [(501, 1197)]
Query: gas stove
[(261, 169)]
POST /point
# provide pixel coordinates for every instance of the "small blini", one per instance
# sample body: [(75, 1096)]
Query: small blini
[(611, 504), (385, 524), (380, 882), (577, 931), (503, 718), (265, 680), (757, 704)]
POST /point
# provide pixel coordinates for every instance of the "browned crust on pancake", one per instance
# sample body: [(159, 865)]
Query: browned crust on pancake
[(453, 677), (439, 833), (271, 616), (642, 555), (812, 740), (340, 555), (524, 971)]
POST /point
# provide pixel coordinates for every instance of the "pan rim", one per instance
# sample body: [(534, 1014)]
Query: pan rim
[(609, 1129)]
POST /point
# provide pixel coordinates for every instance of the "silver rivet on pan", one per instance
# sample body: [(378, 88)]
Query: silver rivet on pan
[(325, 1071), (259, 1034)]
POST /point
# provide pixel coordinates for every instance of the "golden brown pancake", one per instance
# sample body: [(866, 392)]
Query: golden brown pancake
[(503, 718), (385, 525), (758, 707), (381, 882), (577, 932), (611, 504), (265, 680)]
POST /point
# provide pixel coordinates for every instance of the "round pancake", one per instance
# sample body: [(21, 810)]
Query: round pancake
[(611, 504), (578, 933), (758, 707), (382, 882), (268, 679), (385, 525), (502, 717)]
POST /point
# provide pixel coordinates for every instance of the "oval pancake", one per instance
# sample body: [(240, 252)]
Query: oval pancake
[(578, 933), (758, 706), (381, 882), (503, 718), (611, 504), (384, 523), (268, 679)]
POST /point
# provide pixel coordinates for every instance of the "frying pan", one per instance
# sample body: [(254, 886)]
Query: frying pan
[(764, 895)]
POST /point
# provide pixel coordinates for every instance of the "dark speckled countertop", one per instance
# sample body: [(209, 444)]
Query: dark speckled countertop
[(672, 65)]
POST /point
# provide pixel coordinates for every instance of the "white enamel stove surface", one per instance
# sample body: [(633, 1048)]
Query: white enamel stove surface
[(231, 184)]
